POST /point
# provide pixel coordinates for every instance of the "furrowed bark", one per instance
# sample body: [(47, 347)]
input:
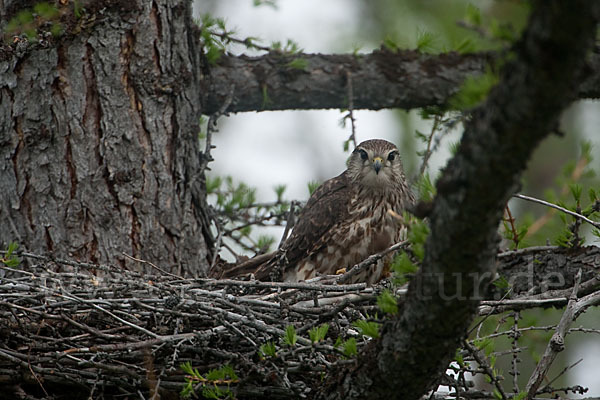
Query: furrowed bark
[(99, 142)]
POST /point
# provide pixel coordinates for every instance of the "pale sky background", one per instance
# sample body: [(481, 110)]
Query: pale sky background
[(294, 147)]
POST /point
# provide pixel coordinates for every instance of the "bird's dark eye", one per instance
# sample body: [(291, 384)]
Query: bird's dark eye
[(363, 154), (391, 156)]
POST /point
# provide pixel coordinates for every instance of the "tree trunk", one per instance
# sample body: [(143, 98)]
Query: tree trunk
[(99, 141)]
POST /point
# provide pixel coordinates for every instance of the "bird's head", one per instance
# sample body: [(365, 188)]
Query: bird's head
[(376, 164)]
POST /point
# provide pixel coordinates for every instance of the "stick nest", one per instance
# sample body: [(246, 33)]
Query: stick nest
[(101, 331)]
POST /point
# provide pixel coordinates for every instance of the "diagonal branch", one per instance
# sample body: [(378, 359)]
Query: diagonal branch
[(557, 343), (535, 86)]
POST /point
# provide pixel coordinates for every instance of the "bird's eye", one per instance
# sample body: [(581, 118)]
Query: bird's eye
[(363, 154), (391, 156)]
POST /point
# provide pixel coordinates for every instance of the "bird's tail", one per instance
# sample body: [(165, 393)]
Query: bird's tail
[(255, 265)]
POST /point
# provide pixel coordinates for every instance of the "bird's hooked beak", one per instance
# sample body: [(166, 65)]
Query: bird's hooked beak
[(377, 163)]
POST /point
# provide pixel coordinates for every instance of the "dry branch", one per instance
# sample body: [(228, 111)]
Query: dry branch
[(575, 307), (77, 333)]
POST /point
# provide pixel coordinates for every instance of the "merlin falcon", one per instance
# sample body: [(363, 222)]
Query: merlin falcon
[(346, 219)]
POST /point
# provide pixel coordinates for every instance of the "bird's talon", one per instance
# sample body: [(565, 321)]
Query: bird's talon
[(395, 215)]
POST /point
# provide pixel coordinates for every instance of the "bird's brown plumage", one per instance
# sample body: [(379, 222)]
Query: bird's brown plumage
[(346, 219)]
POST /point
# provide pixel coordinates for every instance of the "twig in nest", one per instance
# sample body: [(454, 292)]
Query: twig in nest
[(283, 285), (219, 318), (152, 265), (121, 320), (372, 259)]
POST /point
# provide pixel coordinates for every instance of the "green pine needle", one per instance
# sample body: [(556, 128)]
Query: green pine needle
[(267, 350), (318, 333), (367, 328), (312, 186), (474, 90), (387, 302), (349, 347), (290, 336), (298, 63)]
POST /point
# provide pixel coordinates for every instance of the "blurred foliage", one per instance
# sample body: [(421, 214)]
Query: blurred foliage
[(9, 258), (318, 333), (387, 302), (43, 16), (215, 384), (349, 347), (312, 186), (214, 46), (488, 24), (474, 91), (267, 350), (435, 26), (270, 3), (367, 328), (290, 47), (403, 268), (574, 187)]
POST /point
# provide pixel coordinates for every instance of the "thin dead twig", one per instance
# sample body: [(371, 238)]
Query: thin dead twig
[(561, 373), (429, 150), (370, 261), (514, 347), (282, 285), (562, 209), (475, 352), (575, 177), (574, 308), (151, 265), (211, 128), (350, 114)]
